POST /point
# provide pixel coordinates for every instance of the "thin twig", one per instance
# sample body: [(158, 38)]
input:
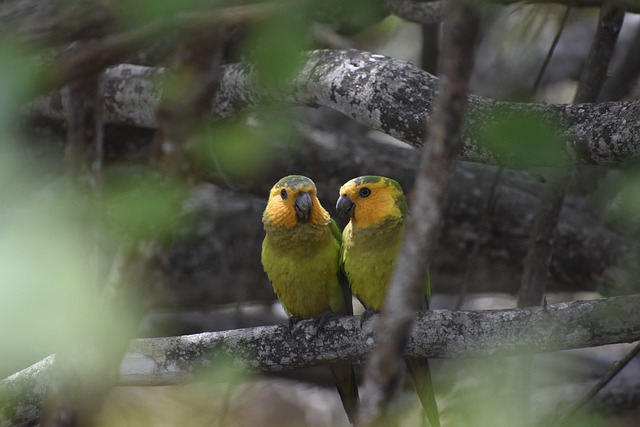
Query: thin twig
[(226, 405), (484, 226), (615, 370), (552, 49), (536, 269), (620, 84), (406, 286), (591, 82), (541, 243), (183, 113)]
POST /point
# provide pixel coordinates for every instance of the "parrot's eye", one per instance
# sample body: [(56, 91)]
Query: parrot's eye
[(284, 194), (364, 192)]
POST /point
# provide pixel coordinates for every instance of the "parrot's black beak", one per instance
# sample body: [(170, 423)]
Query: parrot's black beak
[(303, 207), (345, 206)]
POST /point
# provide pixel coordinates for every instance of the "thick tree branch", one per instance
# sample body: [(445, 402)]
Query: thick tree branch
[(357, 84), (438, 333)]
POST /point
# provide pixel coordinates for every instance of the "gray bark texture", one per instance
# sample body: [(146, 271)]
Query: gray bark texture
[(435, 334), (419, 12), (385, 94)]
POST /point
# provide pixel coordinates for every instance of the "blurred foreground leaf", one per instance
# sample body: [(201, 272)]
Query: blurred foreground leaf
[(49, 273), (239, 151), (276, 44), (138, 205), (523, 137)]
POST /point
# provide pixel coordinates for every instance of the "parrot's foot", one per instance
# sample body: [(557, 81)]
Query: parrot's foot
[(293, 321), (319, 321), (366, 315)]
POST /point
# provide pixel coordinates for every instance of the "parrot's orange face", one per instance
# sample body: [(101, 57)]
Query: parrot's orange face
[(293, 201), (371, 200)]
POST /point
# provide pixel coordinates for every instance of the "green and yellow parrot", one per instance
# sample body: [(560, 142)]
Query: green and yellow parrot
[(371, 242), (300, 254)]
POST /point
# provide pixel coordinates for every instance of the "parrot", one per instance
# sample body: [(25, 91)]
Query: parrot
[(371, 241), (300, 255)]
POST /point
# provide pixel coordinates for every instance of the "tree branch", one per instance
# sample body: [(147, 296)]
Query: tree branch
[(57, 21), (356, 84), (115, 48), (594, 72), (419, 12), (76, 396), (38, 20), (406, 287), (536, 269), (435, 334), (547, 216), (620, 83), (84, 149)]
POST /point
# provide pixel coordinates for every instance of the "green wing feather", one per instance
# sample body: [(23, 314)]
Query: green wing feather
[(343, 372), (344, 282), (421, 375)]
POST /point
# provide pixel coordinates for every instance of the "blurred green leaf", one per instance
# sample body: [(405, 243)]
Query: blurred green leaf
[(591, 418), (141, 12), (348, 17), (493, 392), (139, 206), (523, 138), (17, 82), (627, 187), (49, 294), (223, 373), (237, 150), (276, 45)]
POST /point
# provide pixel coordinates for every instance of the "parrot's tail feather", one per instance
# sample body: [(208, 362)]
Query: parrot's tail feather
[(347, 386), (421, 374)]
